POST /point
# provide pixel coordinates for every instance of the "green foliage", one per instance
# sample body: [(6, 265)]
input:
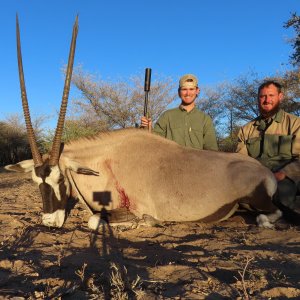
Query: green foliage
[(228, 143), (13, 144), (73, 130)]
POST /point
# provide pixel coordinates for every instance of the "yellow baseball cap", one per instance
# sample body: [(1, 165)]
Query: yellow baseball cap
[(188, 80)]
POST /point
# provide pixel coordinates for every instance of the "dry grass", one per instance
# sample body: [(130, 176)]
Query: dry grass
[(242, 274), (121, 288)]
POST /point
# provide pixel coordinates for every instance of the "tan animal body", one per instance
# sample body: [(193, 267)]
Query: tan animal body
[(150, 175)]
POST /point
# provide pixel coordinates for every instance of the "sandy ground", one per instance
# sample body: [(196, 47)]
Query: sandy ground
[(233, 259)]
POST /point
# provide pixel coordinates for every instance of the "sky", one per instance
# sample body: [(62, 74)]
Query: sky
[(217, 40)]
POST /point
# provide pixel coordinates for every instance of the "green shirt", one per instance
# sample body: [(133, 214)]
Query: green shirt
[(193, 129), (275, 145)]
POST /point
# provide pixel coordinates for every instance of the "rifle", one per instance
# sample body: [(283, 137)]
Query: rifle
[(147, 89)]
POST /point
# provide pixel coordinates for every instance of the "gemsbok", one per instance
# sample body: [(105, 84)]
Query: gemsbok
[(140, 173)]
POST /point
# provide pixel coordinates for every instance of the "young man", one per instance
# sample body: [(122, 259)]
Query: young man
[(186, 125), (273, 138)]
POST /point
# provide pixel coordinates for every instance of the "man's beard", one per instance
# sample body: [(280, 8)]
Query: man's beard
[(269, 114)]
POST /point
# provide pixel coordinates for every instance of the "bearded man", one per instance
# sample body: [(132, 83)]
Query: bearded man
[(273, 138)]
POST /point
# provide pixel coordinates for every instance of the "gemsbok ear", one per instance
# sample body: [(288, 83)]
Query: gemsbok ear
[(80, 169), (24, 166)]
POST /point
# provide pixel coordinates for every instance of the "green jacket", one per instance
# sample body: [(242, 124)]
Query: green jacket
[(192, 129), (277, 146)]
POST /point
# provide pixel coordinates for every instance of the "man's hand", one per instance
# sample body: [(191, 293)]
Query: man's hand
[(146, 122), (279, 175)]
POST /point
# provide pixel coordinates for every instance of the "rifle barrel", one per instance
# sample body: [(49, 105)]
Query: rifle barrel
[(147, 89)]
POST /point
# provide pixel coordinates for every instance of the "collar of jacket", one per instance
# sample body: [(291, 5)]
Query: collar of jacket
[(277, 118)]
